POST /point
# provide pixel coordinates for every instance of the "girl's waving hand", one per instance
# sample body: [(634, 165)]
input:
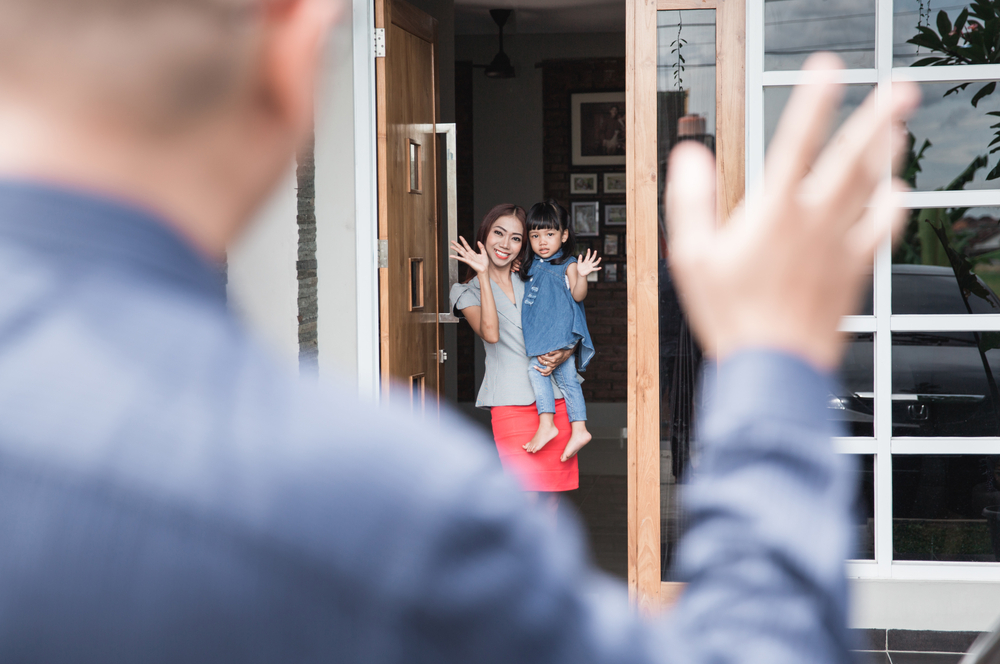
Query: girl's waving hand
[(588, 264)]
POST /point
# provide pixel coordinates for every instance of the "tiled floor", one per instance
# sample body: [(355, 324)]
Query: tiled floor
[(602, 501)]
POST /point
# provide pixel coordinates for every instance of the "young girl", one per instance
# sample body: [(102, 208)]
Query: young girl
[(552, 318)]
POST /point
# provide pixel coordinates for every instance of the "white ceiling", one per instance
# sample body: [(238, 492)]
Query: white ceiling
[(472, 17)]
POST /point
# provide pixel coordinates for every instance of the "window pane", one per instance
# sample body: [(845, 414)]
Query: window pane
[(865, 506), (686, 111), (909, 16), (945, 384), (775, 100), (952, 138), (948, 262), (946, 507), (854, 405), (795, 28)]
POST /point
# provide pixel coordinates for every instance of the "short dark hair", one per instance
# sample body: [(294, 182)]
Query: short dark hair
[(547, 216)]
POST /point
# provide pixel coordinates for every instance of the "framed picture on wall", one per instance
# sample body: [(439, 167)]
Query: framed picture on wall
[(614, 215), (611, 244), (586, 219), (583, 183), (598, 128), (611, 272), (614, 183)]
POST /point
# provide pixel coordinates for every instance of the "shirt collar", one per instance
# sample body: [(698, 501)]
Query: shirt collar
[(552, 257), (74, 227)]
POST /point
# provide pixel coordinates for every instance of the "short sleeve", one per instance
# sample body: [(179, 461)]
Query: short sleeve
[(465, 295)]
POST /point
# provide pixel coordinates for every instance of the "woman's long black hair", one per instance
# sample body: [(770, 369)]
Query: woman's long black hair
[(547, 216)]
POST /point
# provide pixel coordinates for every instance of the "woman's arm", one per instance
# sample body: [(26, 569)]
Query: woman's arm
[(577, 274), (483, 319)]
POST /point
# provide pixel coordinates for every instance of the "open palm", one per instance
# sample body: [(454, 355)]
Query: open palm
[(587, 264), (477, 260)]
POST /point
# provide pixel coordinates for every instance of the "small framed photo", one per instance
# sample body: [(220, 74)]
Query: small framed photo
[(611, 272), (586, 219), (611, 244), (583, 183), (614, 183), (614, 215)]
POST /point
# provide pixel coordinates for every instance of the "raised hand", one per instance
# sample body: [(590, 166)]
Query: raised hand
[(588, 264), (478, 261), (786, 267)]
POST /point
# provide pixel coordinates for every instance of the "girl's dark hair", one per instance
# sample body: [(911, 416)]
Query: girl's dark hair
[(502, 210), (547, 216)]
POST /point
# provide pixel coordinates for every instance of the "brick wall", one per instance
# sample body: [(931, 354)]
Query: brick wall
[(606, 304), (305, 264)]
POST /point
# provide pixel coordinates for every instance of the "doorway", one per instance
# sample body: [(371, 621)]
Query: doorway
[(596, 101)]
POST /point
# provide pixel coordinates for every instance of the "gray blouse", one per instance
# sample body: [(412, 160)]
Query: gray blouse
[(506, 381)]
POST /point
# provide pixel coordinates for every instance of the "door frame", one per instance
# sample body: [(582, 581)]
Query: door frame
[(646, 587)]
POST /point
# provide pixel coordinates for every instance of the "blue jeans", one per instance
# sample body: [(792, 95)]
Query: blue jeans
[(565, 376)]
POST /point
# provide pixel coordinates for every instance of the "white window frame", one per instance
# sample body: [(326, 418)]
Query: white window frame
[(883, 323)]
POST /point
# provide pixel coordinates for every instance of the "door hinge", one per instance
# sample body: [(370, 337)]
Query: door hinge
[(442, 357), (383, 253), (378, 42)]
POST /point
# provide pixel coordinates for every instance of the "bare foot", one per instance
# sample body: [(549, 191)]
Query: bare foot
[(547, 430), (577, 440)]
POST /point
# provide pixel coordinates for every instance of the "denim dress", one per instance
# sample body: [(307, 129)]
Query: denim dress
[(550, 318)]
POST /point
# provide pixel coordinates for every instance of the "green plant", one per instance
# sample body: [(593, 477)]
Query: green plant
[(678, 45), (973, 39)]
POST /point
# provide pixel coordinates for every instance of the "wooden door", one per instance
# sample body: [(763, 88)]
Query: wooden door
[(407, 204), (643, 243)]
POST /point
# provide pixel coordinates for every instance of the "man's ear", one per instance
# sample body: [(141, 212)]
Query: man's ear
[(295, 35)]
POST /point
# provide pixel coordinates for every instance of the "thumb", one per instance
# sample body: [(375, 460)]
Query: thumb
[(689, 199)]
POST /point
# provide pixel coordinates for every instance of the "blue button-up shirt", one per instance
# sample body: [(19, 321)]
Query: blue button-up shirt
[(169, 494)]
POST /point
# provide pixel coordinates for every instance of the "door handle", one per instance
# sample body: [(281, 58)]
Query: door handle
[(451, 211)]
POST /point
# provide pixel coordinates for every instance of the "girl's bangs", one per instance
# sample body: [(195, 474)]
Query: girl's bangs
[(543, 222)]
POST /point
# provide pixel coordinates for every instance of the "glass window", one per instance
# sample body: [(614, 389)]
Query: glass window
[(854, 405), (946, 507), (945, 384), (951, 138), (925, 33), (943, 504), (686, 111), (948, 262), (795, 28), (865, 506)]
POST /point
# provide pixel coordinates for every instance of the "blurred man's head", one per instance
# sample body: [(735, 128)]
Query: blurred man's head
[(130, 96)]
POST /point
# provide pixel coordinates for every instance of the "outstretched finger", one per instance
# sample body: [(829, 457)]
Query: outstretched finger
[(690, 197), (857, 161), (885, 217), (804, 125)]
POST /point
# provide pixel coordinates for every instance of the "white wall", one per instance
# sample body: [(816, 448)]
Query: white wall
[(263, 288), (947, 606), (337, 264)]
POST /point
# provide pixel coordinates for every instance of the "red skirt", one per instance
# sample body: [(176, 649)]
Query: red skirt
[(513, 426)]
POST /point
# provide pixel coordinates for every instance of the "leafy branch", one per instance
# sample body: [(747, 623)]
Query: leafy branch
[(973, 39), (677, 44)]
